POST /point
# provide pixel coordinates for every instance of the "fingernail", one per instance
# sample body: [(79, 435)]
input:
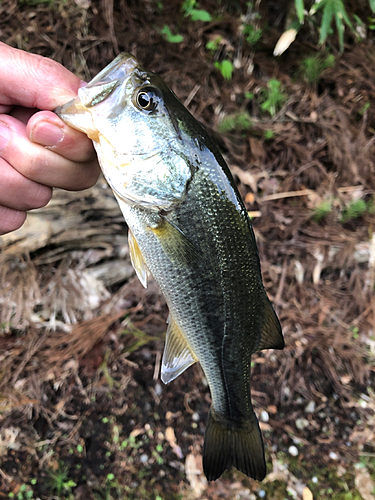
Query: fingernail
[(47, 134), (4, 135)]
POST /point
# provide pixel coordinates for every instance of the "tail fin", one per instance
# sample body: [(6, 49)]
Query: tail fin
[(227, 446)]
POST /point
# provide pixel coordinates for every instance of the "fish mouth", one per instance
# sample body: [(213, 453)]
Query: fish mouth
[(118, 70), (97, 90)]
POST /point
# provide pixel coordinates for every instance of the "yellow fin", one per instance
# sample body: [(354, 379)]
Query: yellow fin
[(177, 353), (174, 242), (137, 259), (271, 336)]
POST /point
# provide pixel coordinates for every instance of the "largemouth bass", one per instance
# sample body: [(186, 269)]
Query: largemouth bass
[(189, 229)]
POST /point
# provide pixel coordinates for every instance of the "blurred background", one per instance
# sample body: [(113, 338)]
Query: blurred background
[(83, 413)]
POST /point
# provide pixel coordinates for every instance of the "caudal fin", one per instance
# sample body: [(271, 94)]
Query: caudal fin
[(227, 446)]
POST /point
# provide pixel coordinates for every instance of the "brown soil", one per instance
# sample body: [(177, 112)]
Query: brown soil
[(83, 412)]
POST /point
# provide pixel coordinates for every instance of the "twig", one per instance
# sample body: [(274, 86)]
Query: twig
[(288, 194)]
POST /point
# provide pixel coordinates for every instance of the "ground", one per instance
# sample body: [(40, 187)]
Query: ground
[(84, 414)]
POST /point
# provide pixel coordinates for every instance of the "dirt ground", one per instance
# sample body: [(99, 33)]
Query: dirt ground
[(83, 413)]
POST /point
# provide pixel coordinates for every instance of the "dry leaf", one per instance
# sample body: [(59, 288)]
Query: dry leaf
[(364, 484), (84, 4), (194, 474), (307, 494), (171, 438)]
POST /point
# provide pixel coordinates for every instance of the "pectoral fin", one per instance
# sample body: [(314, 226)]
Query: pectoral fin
[(137, 260), (174, 243), (177, 353), (271, 336)]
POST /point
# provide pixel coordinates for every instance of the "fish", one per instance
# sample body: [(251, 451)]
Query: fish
[(190, 231)]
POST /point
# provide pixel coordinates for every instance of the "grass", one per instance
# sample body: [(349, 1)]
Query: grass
[(272, 97), (240, 121), (312, 67), (353, 210), (59, 481), (322, 210)]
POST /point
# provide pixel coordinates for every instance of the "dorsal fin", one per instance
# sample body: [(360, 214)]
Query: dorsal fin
[(137, 259), (177, 353), (271, 336)]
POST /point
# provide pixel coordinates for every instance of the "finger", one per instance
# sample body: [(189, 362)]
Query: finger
[(47, 129), (34, 81), (10, 220), (18, 192), (40, 164), (5, 109)]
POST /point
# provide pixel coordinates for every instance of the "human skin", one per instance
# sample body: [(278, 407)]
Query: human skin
[(38, 152)]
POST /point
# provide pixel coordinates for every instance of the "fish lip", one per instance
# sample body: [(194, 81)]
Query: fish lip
[(119, 69), (64, 108)]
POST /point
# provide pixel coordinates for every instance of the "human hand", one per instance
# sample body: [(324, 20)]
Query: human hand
[(37, 150)]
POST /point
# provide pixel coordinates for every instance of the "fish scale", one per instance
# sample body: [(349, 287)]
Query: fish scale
[(189, 229)]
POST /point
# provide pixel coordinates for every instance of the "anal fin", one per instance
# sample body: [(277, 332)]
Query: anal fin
[(271, 336), (177, 353), (137, 259)]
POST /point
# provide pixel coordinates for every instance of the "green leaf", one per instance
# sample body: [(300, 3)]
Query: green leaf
[(332, 9), (169, 36), (300, 9), (226, 68), (200, 15), (372, 5), (213, 44), (326, 21), (188, 6), (340, 30)]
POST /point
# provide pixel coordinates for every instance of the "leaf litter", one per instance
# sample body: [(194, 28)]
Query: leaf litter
[(80, 336)]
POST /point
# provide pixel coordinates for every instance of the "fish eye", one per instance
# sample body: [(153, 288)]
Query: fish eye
[(147, 99)]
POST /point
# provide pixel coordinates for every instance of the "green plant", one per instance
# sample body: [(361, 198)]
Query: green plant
[(355, 332), (252, 34), (214, 44), (268, 134), (322, 210), (225, 67), (189, 10), (24, 493), (59, 481), (131, 442), (353, 210), (332, 9), (272, 97), (364, 108), (169, 36), (235, 122), (313, 66)]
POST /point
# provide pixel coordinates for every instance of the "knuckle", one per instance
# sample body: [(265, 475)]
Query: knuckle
[(88, 176), (10, 220), (34, 167), (41, 196)]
